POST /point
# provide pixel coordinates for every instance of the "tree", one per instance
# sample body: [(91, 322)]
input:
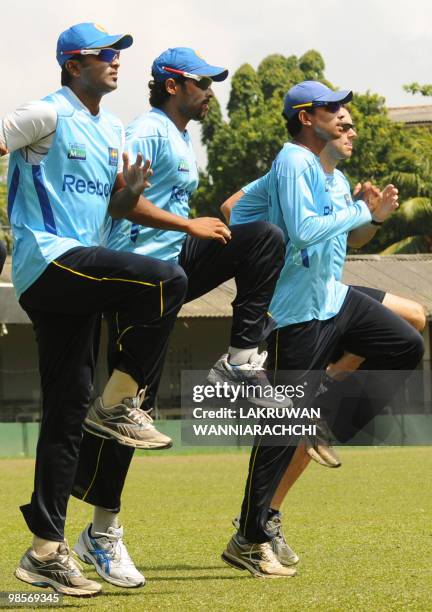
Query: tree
[(243, 147)]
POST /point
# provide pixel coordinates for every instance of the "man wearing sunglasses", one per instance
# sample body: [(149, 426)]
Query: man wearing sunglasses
[(208, 251), (314, 312), (64, 174), (249, 204)]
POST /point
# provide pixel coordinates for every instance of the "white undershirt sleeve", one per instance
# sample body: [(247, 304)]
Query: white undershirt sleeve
[(31, 127)]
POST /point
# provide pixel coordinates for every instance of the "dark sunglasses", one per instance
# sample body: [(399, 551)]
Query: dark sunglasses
[(346, 127), (331, 107)]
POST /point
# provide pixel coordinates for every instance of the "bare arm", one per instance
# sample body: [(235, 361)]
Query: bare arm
[(228, 205), (127, 202), (360, 236)]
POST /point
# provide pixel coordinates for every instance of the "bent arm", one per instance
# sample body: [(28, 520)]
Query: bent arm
[(228, 205), (305, 226)]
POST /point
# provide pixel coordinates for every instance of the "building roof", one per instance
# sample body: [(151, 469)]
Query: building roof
[(412, 115), (407, 275)]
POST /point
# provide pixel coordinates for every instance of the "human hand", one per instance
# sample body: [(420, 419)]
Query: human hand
[(136, 175), (209, 228)]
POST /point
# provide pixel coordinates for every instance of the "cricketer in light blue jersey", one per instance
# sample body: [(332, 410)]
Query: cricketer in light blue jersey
[(170, 151), (61, 203), (299, 201), (340, 190)]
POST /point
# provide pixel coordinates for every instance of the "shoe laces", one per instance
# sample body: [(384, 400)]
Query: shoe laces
[(115, 546), (276, 526), (267, 552), (134, 410), (257, 360), (66, 558)]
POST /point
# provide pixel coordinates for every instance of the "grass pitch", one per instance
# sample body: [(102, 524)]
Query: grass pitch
[(363, 533)]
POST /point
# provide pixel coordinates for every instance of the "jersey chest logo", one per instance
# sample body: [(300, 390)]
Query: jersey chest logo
[(183, 165), (113, 156), (77, 151)]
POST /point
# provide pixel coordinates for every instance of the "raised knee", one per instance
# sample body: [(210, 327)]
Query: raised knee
[(419, 317)]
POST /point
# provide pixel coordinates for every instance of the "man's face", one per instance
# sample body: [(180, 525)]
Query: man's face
[(97, 76), (342, 147), (326, 121), (192, 101)]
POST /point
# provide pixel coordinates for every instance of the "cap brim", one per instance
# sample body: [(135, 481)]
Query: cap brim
[(116, 41), (215, 72), (343, 96)]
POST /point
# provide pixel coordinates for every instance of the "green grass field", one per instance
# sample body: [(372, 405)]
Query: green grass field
[(364, 534)]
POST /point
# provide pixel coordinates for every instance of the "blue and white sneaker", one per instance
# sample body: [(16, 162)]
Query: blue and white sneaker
[(107, 552), (251, 375)]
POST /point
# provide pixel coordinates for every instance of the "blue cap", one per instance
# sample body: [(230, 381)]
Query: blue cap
[(185, 60), (88, 36), (305, 94)]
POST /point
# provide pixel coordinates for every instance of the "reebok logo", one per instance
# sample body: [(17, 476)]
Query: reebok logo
[(74, 184)]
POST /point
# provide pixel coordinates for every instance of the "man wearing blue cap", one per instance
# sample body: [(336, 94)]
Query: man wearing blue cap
[(63, 177), (208, 251), (315, 313)]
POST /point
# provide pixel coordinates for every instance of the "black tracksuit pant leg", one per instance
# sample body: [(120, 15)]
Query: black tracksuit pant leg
[(364, 327), (254, 258), (65, 304)]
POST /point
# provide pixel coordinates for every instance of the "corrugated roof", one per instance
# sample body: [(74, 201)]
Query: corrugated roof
[(420, 114), (406, 275)]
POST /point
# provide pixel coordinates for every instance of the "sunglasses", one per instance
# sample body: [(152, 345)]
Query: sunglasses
[(346, 127), (331, 107), (104, 55), (203, 82)]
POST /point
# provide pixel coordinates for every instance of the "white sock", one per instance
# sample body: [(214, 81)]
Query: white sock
[(119, 386), (102, 520), (44, 547), (240, 356)]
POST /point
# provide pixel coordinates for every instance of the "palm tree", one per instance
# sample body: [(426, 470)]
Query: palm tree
[(409, 230)]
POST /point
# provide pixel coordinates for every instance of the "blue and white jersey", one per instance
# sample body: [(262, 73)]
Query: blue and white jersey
[(253, 205), (300, 203), (175, 178), (61, 203), (341, 198)]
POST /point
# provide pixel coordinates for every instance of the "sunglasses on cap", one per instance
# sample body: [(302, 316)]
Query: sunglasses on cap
[(331, 107), (203, 82), (104, 55)]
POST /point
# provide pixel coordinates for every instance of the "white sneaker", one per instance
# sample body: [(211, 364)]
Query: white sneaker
[(250, 375), (109, 555), (126, 423)]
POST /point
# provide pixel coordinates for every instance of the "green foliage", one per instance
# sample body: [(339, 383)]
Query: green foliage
[(243, 147), (415, 88)]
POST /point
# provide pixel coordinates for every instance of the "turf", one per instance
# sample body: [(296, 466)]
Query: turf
[(364, 534)]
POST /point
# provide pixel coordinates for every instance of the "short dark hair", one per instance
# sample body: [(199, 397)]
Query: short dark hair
[(158, 92), (66, 77), (293, 124)]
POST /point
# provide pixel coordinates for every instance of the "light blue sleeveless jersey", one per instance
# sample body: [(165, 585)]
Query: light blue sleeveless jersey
[(62, 202), (299, 202), (174, 180)]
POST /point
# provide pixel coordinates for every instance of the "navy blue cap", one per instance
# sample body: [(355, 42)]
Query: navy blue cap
[(306, 94), (88, 36), (185, 59)]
